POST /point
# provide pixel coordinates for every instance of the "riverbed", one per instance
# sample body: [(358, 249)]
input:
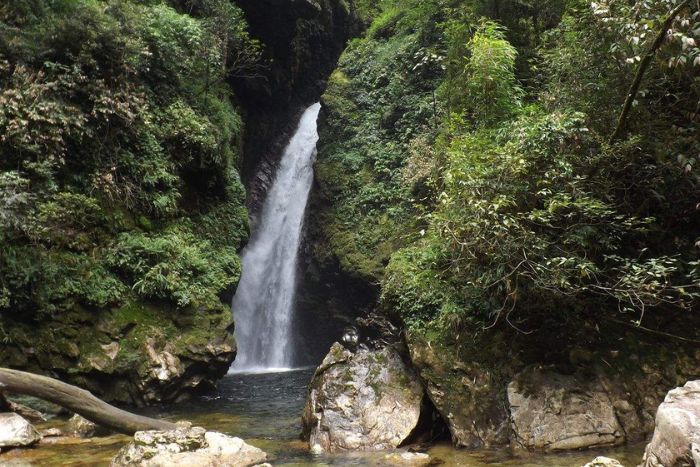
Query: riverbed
[(265, 410)]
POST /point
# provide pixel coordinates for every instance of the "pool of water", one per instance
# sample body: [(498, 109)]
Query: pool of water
[(265, 410)]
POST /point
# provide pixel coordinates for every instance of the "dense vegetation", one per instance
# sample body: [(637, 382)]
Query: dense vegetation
[(473, 147), (118, 150)]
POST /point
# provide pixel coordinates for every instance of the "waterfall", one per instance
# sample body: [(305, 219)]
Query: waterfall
[(264, 302)]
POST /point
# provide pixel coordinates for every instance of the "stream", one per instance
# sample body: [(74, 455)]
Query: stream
[(265, 410)]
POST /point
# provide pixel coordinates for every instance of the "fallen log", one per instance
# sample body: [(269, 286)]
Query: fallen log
[(78, 401)]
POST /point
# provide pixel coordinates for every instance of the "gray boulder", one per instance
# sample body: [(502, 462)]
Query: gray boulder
[(464, 391), (15, 431), (676, 437), (367, 400), (187, 447), (553, 412)]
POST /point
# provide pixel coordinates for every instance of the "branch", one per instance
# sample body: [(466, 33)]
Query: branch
[(634, 88), (79, 401)]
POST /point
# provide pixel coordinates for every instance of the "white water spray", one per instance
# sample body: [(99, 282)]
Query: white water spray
[(264, 302)]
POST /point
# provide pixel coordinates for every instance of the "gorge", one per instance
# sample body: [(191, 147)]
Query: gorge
[(477, 221)]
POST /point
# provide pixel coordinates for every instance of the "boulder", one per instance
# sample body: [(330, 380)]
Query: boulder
[(367, 400), (466, 393), (52, 433), (15, 431), (603, 461), (554, 412), (187, 447), (677, 433)]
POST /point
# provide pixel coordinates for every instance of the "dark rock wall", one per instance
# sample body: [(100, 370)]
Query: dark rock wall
[(303, 40)]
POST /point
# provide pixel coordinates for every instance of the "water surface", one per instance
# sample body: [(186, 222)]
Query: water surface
[(265, 410)]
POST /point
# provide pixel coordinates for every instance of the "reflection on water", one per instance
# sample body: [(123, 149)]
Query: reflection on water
[(265, 410)]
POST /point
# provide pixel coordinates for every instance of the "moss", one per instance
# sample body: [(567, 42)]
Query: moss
[(363, 202)]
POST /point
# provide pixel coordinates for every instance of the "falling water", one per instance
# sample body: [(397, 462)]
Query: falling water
[(264, 302)]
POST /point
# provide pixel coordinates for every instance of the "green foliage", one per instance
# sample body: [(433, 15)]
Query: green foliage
[(506, 204), (520, 227), (381, 106), (175, 266), (483, 83), (114, 117)]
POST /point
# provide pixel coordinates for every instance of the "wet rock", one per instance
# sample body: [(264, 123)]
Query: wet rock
[(187, 447), (407, 458), (603, 461), (368, 400), (554, 412), (677, 433), (15, 431)]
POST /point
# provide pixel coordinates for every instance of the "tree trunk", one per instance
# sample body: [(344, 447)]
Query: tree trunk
[(646, 61), (79, 401)]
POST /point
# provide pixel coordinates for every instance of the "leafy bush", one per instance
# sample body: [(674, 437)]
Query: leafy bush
[(525, 226), (502, 200), (175, 266), (115, 117)]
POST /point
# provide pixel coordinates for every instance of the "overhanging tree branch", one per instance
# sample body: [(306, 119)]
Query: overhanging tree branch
[(643, 66)]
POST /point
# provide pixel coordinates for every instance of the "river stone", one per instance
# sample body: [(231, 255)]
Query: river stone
[(407, 458), (554, 412), (15, 431), (677, 433), (81, 427), (603, 461), (187, 447), (368, 400)]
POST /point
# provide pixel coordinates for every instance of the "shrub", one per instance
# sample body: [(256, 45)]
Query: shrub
[(175, 266)]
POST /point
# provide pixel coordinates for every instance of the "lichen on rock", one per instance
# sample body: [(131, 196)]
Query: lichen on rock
[(187, 447), (368, 400)]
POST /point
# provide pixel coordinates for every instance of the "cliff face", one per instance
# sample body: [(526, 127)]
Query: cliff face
[(303, 40)]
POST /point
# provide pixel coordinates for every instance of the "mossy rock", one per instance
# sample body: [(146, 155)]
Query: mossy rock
[(138, 354)]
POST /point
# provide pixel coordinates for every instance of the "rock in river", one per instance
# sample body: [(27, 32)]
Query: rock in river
[(368, 400), (602, 461), (15, 431), (187, 447), (676, 440), (83, 428)]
